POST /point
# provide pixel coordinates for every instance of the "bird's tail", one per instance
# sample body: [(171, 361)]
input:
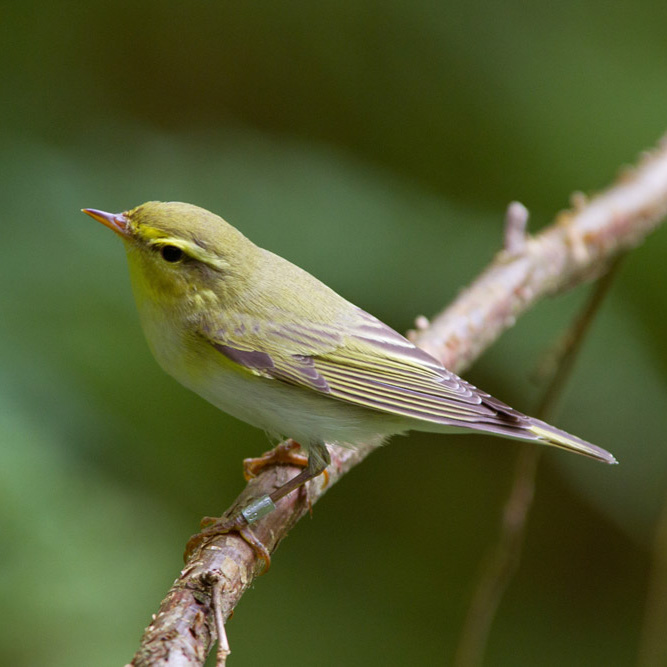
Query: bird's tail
[(552, 436)]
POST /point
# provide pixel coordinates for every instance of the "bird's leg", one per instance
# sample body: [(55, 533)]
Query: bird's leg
[(317, 462)]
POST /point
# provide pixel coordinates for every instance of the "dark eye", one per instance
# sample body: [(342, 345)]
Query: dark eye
[(171, 253)]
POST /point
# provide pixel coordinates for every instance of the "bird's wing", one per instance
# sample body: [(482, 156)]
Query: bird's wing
[(360, 361), (364, 362)]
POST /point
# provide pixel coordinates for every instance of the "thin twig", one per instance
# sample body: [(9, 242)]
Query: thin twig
[(223, 643), (516, 222), (578, 247), (503, 560)]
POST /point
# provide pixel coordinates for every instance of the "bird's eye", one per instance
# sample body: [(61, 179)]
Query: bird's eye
[(171, 253)]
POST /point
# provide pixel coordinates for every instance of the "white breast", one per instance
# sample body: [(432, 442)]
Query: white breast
[(281, 409)]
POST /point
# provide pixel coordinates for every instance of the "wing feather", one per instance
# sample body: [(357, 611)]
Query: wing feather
[(357, 359), (399, 398), (361, 361)]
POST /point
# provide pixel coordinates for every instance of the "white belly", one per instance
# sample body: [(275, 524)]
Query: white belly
[(276, 407)]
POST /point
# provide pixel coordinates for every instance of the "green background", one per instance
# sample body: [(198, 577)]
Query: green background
[(377, 145)]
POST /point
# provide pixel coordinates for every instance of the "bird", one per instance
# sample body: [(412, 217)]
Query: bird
[(271, 345)]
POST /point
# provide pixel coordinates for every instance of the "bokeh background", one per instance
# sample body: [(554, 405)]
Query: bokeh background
[(377, 145)]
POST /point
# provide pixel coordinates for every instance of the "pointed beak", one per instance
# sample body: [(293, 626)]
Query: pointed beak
[(116, 222)]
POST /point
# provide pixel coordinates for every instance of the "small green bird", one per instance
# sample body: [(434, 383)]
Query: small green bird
[(270, 344)]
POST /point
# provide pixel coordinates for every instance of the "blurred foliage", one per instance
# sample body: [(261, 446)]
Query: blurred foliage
[(376, 145)]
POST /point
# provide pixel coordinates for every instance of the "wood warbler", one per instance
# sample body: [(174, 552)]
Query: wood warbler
[(270, 344)]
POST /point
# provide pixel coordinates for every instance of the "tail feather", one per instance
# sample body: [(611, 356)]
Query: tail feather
[(553, 436), (514, 424)]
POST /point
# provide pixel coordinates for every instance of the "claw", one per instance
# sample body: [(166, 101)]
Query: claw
[(212, 526), (256, 545)]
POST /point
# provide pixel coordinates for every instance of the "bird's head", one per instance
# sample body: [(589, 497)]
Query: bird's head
[(180, 254)]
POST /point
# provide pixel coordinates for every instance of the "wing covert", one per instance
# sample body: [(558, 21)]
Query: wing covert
[(360, 361)]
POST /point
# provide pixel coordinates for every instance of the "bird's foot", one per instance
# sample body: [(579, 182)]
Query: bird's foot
[(283, 454), (214, 526), (240, 522)]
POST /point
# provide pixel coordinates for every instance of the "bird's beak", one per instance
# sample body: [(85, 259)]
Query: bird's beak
[(116, 222)]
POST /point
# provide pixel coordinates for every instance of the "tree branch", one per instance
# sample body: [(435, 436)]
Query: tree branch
[(577, 247)]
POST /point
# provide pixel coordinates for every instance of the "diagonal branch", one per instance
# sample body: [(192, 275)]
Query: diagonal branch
[(577, 247)]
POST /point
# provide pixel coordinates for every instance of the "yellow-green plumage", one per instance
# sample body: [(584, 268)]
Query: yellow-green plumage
[(270, 344)]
